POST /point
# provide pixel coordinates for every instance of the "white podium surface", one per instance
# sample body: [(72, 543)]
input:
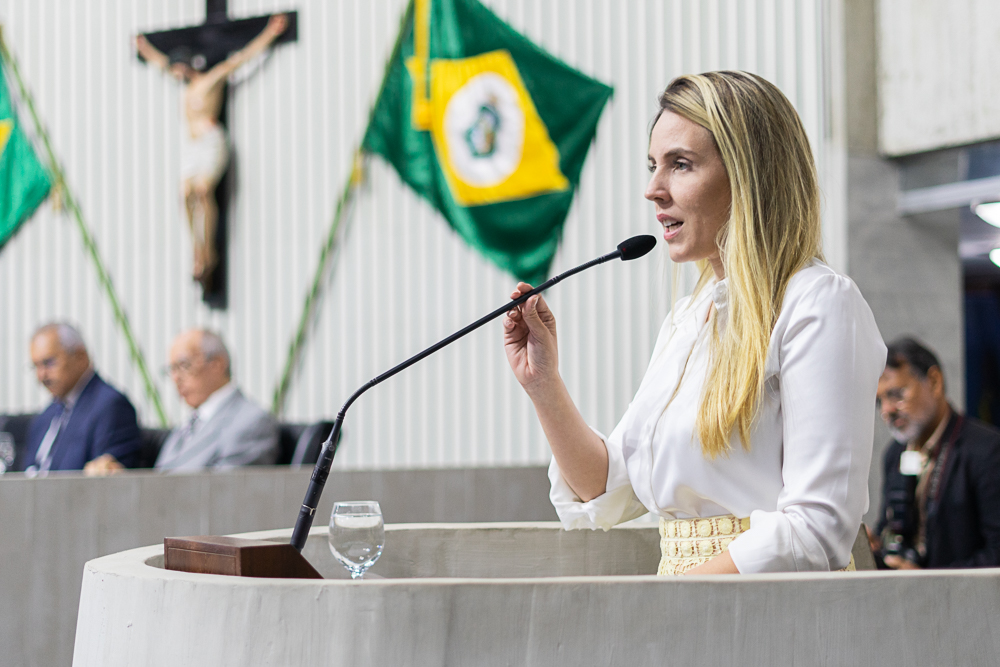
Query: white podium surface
[(50, 528), (528, 594)]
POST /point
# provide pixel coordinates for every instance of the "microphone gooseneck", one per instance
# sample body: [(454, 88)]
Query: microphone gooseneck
[(632, 248)]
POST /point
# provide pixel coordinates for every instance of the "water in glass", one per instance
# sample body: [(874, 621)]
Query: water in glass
[(357, 535)]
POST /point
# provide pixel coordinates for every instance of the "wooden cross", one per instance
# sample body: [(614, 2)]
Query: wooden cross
[(210, 44)]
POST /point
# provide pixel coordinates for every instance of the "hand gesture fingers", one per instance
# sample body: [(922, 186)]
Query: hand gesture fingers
[(530, 340)]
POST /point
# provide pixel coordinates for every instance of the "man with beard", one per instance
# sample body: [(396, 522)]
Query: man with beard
[(941, 490)]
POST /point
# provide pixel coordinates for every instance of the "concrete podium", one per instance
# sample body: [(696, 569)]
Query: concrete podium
[(527, 594)]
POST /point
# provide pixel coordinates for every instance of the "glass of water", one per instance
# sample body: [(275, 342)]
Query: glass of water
[(357, 535)]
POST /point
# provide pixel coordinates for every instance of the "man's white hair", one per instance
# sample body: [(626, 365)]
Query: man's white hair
[(69, 337), (212, 346)]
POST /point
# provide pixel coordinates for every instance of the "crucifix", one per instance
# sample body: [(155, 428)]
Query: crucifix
[(204, 58)]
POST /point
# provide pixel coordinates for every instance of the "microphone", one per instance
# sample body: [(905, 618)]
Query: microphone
[(632, 248)]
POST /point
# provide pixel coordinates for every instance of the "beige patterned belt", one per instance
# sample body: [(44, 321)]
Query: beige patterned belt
[(687, 543)]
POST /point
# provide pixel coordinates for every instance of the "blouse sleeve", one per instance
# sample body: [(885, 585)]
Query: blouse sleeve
[(831, 356), (616, 505)]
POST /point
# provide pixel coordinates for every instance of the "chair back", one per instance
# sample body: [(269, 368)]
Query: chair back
[(17, 426), (300, 444), (150, 442)]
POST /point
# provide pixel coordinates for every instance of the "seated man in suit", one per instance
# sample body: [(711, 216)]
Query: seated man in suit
[(225, 430), (89, 425)]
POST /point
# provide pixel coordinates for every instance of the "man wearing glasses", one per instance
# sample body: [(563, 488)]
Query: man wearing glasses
[(89, 425), (225, 429), (941, 489)]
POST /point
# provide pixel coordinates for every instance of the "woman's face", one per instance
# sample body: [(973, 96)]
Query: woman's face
[(690, 189)]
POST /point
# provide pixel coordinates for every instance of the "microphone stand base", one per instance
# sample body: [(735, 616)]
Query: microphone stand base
[(233, 556)]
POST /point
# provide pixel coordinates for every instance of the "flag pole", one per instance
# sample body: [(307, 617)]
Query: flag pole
[(346, 195), (88, 240)]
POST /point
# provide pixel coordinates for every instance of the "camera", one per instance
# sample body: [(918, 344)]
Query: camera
[(902, 520)]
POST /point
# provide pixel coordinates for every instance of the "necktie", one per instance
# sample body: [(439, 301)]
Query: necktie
[(43, 458), (171, 458), (189, 427)]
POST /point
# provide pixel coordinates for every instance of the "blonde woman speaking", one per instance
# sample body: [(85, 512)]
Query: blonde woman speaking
[(750, 435)]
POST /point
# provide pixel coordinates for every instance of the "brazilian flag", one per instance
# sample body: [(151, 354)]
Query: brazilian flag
[(24, 183), (489, 128)]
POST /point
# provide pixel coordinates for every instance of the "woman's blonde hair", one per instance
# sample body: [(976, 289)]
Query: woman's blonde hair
[(772, 232)]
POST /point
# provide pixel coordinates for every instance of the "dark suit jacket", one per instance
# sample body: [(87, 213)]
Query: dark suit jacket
[(102, 422), (963, 527)]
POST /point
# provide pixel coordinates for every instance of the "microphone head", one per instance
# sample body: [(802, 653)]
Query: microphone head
[(636, 247)]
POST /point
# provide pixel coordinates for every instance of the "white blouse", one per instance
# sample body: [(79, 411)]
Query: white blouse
[(804, 482)]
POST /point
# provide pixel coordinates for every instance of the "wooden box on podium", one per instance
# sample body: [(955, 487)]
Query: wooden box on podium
[(215, 554)]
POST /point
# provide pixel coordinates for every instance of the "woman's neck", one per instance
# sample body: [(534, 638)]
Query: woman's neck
[(718, 268)]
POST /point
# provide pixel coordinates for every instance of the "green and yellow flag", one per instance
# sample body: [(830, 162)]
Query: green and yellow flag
[(24, 183), (488, 127)]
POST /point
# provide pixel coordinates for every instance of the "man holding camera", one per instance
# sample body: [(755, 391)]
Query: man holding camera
[(941, 484)]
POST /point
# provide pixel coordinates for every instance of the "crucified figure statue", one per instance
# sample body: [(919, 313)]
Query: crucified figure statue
[(204, 147)]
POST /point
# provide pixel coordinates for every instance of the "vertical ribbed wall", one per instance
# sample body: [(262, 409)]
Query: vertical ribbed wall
[(401, 278)]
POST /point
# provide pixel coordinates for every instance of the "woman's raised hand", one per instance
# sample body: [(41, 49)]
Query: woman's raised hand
[(530, 342), (529, 338)]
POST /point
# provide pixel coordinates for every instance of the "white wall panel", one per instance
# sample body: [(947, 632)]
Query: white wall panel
[(401, 279), (938, 83)]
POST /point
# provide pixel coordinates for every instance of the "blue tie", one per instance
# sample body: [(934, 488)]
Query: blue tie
[(43, 457)]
